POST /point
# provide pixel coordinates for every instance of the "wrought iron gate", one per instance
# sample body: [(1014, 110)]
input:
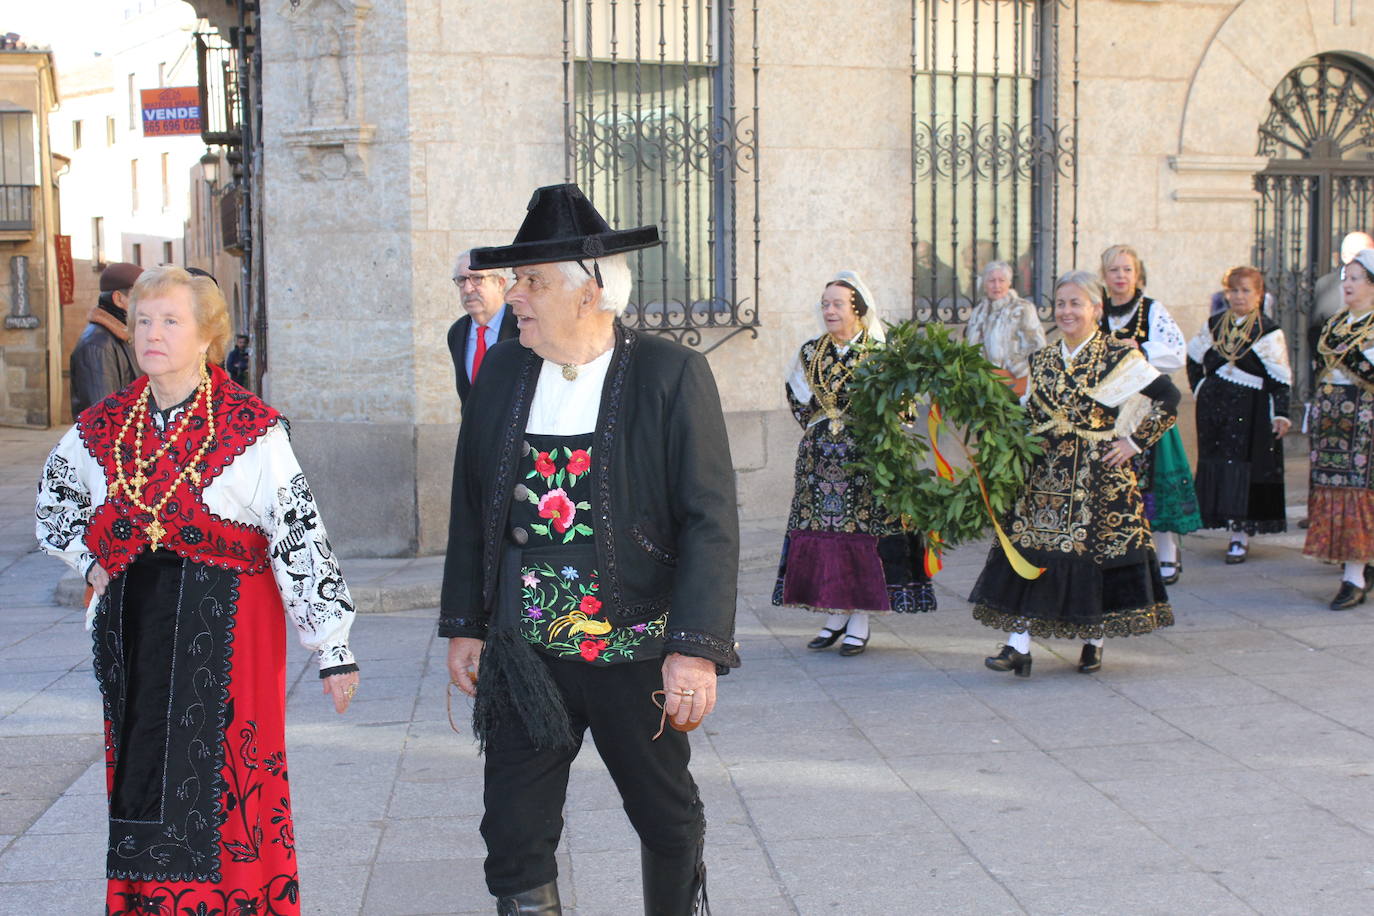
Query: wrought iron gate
[(994, 122), (656, 132), (1318, 186)]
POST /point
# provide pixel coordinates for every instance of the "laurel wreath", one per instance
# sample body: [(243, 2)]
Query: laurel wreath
[(926, 363)]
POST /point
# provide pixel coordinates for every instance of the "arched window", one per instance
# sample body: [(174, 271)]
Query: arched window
[(1318, 186)]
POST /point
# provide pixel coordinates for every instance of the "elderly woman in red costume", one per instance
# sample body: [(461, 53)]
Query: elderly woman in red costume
[(181, 502)]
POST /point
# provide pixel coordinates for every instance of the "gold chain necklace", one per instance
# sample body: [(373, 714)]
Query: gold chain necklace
[(132, 487), (827, 383), (1361, 331), (1233, 341)]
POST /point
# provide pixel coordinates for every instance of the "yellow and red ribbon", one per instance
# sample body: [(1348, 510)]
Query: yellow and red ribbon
[(1023, 567)]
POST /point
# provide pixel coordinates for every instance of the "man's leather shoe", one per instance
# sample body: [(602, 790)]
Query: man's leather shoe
[(538, 901)]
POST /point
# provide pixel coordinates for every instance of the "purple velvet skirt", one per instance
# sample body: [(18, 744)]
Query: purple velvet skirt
[(836, 572)]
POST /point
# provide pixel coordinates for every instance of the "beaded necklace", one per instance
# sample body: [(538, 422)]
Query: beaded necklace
[(1233, 340), (133, 485), (1331, 344), (1132, 329), (827, 383)]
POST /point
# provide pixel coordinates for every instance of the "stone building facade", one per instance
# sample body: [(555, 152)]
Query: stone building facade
[(396, 134), (30, 337)]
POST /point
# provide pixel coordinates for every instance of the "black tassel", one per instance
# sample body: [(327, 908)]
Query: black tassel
[(516, 689)]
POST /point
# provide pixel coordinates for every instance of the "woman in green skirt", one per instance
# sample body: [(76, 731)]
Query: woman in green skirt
[(1166, 480)]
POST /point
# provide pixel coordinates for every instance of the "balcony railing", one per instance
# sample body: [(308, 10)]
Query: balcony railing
[(16, 207)]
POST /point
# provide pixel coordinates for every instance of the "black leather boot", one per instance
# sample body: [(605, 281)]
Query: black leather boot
[(674, 885), (538, 901), (1010, 660), (1090, 659)]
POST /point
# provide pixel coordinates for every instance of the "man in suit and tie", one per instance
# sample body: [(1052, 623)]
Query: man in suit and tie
[(487, 321)]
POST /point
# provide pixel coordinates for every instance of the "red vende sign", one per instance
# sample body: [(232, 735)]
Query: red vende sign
[(171, 111)]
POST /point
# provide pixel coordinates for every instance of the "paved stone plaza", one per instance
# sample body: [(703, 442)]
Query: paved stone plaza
[(1223, 766)]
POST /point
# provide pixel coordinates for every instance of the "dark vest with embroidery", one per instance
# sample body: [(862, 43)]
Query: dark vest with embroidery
[(116, 534)]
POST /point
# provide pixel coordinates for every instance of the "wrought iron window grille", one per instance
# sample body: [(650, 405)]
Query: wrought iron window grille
[(1317, 187), (655, 132), (994, 127)]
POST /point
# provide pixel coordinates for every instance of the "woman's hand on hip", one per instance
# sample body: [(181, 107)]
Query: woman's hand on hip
[(97, 578), (1281, 427), (341, 687), (689, 687)]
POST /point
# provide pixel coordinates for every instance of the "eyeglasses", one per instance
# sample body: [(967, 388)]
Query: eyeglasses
[(473, 279)]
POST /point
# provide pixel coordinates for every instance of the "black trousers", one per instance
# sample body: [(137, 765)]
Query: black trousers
[(526, 787)]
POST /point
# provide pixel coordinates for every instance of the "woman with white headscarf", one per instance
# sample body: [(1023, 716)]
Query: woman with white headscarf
[(844, 554), (1340, 500)]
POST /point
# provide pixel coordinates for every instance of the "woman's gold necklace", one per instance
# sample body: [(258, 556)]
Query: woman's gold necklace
[(1131, 330), (1233, 341), (1361, 331), (826, 384), (132, 487)]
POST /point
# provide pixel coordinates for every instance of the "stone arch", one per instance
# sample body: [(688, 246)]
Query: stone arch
[(1229, 93)]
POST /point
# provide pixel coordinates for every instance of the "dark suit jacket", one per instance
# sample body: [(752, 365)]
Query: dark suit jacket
[(667, 525), (458, 342)]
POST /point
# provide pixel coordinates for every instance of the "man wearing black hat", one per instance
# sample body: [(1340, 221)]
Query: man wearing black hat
[(102, 361), (592, 557)]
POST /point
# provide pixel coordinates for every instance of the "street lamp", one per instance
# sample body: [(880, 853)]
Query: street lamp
[(209, 167)]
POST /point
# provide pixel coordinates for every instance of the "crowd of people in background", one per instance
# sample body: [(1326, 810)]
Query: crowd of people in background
[(1104, 506)]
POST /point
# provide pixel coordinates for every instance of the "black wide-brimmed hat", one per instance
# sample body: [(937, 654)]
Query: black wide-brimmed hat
[(562, 225)]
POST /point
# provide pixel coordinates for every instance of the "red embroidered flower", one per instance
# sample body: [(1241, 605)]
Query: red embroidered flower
[(544, 465), (589, 605), (556, 505), (591, 648), (578, 462)]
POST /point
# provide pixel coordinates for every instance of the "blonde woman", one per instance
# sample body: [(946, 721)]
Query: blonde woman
[(181, 502), (1166, 480)]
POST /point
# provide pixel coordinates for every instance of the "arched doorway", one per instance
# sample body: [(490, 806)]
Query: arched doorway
[(1318, 186)]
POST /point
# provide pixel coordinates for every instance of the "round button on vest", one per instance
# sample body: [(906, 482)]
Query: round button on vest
[(519, 535), (522, 492)]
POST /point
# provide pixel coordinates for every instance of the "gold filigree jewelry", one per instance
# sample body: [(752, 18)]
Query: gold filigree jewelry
[(569, 371), (827, 382), (1336, 341), (1131, 330), (132, 486), (1235, 340)]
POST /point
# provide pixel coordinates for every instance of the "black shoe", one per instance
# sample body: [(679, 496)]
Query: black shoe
[(1010, 660), (1233, 558), (1349, 596), (848, 648), (1090, 659), (826, 637), (1171, 578), (674, 885), (539, 901)]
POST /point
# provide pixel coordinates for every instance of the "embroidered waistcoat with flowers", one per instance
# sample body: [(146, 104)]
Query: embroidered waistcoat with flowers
[(561, 612), (118, 531)]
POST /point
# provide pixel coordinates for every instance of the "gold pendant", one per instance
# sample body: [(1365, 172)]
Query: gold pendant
[(569, 372), (138, 480), (155, 533)]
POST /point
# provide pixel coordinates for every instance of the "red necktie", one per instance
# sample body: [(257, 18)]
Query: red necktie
[(481, 350)]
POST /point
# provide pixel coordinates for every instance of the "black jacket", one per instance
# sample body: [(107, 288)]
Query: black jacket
[(101, 365), (667, 526), (458, 342)]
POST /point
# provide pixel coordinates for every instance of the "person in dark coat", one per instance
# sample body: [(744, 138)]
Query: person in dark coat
[(488, 320), (592, 560), (103, 361)]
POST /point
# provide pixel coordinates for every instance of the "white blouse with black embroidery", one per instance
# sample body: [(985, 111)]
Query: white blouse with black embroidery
[(263, 487)]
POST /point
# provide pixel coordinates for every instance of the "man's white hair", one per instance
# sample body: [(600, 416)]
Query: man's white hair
[(503, 272), (615, 279)]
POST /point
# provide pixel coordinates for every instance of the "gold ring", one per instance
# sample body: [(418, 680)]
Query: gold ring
[(352, 689), (686, 693)]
